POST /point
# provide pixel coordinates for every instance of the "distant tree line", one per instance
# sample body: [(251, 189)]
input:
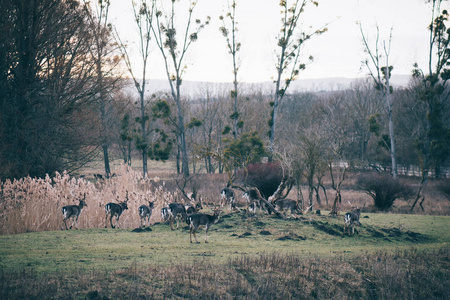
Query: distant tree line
[(64, 103)]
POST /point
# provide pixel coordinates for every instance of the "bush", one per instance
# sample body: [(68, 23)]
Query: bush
[(444, 187), (264, 176), (383, 189)]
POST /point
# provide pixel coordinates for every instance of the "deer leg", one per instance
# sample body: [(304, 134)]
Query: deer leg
[(76, 222), (117, 222), (64, 223), (71, 224), (206, 234), (193, 229), (171, 223), (195, 236), (110, 220)]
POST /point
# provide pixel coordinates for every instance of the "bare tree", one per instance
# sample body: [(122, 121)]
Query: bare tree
[(289, 55), (165, 33), (381, 76), (362, 104), (106, 60), (434, 147), (233, 47), (143, 17)]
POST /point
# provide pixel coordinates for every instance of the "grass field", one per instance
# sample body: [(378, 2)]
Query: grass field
[(394, 256), (79, 261)]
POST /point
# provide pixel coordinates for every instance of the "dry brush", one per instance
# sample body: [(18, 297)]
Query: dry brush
[(34, 204)]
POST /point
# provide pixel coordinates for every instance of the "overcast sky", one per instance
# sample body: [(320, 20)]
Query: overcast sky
[(337, 53)]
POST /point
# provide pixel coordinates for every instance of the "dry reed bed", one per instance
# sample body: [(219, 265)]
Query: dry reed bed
[(34, 204)]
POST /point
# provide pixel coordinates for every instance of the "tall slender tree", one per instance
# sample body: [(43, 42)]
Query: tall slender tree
[(381, 76), (143, 17), (289, 55), (104, 53), (173, 50), (230, 33)]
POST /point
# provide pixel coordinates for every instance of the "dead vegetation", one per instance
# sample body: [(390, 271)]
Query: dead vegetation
[(381, 275)]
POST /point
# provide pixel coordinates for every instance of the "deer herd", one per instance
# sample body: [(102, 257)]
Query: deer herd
[(190, 213)]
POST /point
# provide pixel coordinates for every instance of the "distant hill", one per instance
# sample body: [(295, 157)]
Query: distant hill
[(193, 88)]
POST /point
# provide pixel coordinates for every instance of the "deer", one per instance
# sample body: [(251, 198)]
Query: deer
[(284, 204), (254, 206), (114, 209), (350, 219), (250, 196), (200, 219), (145, 212), (174, 211), (253, 198), (73, 212), (194, 208), (227, 196)]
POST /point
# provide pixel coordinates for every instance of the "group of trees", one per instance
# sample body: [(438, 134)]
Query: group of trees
[(64, 97), (51, 86)]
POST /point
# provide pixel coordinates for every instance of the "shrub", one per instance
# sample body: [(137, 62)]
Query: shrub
[(444, 187), (383, 189), (264, 176)]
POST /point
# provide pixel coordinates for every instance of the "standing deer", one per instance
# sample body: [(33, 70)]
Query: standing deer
[(145, 212), (174, 211), (114, 209), (73, 212), (227, 196), (254, 201), (254, 206), (350, 219), (196, 220), (251, 195)]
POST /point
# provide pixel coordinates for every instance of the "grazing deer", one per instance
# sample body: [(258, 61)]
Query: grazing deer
[(227, 196), (114, 209), (145, 212), (73, 211), (174, 211), (284, 204), (350, 219), (197, 220)]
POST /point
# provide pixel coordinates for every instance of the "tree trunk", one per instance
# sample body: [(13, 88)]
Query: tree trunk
[(144, 133), (391, 122), (106, 161)]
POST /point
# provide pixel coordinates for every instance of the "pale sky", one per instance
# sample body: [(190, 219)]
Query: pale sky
[(337, 53)]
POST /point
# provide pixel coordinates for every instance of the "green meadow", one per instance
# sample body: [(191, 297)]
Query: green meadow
[(122, 256)]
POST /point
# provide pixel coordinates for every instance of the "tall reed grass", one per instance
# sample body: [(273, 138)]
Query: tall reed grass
[(34, 204)]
